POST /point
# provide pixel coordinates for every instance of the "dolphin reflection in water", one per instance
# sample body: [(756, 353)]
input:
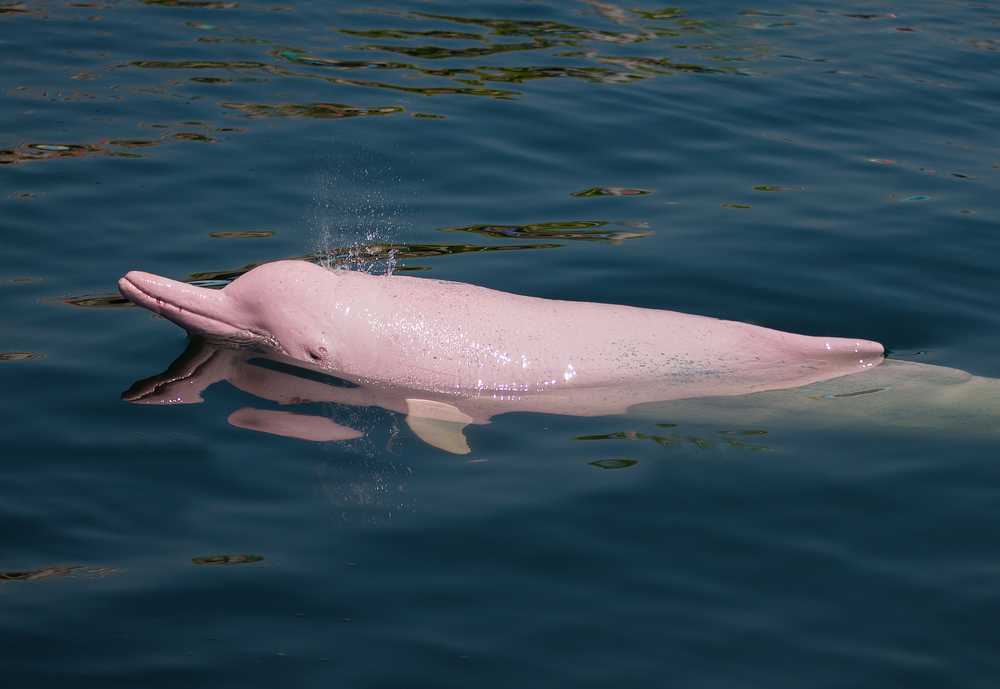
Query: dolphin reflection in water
[(448, 355), (899, 395)]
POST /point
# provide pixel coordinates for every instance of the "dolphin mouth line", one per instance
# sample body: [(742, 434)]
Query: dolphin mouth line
[(160, 303), (171, 309)]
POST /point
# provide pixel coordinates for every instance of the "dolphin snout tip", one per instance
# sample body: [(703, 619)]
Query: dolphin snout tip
[(128, 288), (869, 353), (125, 282), (141, 288), (133, 279)]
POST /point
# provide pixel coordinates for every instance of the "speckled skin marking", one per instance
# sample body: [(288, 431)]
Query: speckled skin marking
[(452, 337)]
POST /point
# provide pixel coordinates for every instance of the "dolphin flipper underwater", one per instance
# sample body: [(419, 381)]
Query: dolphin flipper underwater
[(449, 354)]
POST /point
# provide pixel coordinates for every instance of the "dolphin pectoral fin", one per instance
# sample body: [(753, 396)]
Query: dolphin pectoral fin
[(438, 424), (292, 425), (444, 435)]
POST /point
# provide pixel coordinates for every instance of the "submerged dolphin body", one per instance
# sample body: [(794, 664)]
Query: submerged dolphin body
[(456, 338)]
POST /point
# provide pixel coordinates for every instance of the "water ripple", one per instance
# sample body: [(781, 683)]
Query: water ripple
[(313, 111)]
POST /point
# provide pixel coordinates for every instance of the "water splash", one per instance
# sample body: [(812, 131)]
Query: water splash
[(353, 208)]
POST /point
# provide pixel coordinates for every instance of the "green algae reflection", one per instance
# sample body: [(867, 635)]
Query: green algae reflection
[(614, 463), (310, 111), (21, 356), (74, 571), (476, 55), (227, 559), (120, 148), (585, 230), (611, 191), (240, 235), (677, 441)]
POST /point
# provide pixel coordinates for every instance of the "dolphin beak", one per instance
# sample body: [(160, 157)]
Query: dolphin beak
[(196, 309)]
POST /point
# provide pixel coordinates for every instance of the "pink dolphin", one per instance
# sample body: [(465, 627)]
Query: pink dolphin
[(463, 340)]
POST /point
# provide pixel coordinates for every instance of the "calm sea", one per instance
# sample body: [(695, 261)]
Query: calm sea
[(827, 168)]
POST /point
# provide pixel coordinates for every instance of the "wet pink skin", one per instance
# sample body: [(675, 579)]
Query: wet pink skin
[(460, 339)]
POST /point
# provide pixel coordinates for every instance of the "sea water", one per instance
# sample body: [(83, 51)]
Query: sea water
[(825, 168)]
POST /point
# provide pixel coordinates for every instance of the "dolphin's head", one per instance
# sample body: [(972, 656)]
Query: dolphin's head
[(280, 305)]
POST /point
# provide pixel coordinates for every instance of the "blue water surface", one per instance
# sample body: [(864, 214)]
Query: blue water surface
[(828, 168)]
